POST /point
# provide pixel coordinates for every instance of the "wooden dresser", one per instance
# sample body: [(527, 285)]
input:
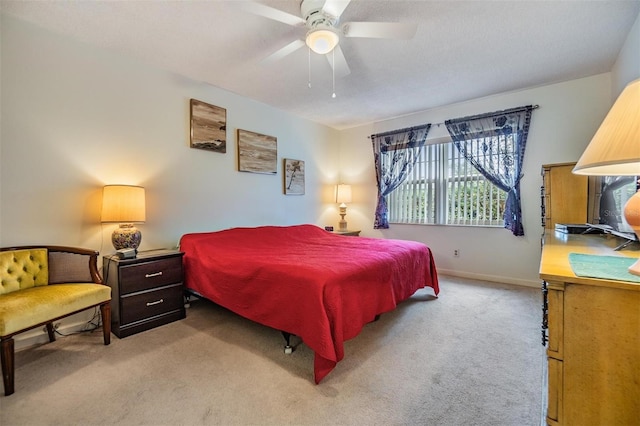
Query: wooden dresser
[(564, 195), (593, 337)]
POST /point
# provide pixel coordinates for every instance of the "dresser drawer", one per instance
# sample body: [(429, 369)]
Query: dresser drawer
[(554, 401), (140, 306), (555, 349), (147, 275)]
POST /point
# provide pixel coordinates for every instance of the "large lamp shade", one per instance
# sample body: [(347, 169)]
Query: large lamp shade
[(615, 151), (125, 205), (615, 148), (343, 193)]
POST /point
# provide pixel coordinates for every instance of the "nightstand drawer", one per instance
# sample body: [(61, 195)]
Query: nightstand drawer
[(143, 276), (136, 307)]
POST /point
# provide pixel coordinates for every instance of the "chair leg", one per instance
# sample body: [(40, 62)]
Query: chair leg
[(51, 332), (105, 312), (7, 354)]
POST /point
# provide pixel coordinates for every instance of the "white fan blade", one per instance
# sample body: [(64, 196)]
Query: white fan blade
[(281, 53), (335, 7), (271, 13), (340, 67), (397, 30)]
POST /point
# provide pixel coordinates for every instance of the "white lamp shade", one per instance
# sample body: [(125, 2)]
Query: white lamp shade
[(343, 193), (615, 148), (123, 204), (615, 151), (322, 41)]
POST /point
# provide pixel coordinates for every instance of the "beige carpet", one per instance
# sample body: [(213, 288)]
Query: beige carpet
[(471, 357)]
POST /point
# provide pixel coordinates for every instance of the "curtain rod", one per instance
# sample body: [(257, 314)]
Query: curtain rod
[(489, 114), (407, 129)]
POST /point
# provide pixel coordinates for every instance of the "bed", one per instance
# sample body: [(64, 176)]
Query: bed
[(322, 287)]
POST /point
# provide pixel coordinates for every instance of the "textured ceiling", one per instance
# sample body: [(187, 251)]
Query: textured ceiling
[(462, 49)]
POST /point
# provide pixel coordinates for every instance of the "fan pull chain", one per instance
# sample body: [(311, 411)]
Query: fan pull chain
[(309, 82), (333, 71)]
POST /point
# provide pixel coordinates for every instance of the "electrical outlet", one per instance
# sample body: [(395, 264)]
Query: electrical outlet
[(456, 253)]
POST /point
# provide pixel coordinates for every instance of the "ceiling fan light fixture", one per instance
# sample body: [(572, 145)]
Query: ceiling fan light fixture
[(322, 41)]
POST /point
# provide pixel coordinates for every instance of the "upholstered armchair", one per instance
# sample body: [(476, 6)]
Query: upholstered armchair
[(42, 284)]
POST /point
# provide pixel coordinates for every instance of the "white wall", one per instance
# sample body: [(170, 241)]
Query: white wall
[(75, 118), (569, 114), (627, 66)]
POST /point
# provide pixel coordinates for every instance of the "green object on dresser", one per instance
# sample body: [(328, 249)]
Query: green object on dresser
[(603, 267)]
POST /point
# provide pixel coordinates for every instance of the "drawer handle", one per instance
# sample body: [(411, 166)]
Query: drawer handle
[(157, 302), (157, 274)]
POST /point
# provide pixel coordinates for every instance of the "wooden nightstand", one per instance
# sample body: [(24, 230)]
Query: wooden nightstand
[(347, 232), (146, 291)]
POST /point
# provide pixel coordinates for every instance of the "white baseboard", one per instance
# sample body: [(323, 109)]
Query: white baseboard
[(39, 336), (490, 278)]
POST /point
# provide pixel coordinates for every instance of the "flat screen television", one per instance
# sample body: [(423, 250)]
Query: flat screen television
[(607, 197)]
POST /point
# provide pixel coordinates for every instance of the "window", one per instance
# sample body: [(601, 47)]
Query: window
[(475, 187), (444, 188)]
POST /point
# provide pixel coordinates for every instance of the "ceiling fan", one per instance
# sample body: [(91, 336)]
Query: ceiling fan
[(321, 18)]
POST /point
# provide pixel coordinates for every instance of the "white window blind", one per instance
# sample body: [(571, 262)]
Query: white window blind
[(444, 188)]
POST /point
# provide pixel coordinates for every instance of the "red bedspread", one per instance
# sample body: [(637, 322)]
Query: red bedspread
[(303, 280)]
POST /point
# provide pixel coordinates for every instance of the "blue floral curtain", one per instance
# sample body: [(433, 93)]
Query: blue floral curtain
[(494, 144), (395, 154)]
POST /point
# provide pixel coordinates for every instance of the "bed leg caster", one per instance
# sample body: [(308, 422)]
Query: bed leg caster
[(288, 349)]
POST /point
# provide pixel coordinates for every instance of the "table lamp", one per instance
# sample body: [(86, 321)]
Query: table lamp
[(125, 205), (343, 196), (615, 151)]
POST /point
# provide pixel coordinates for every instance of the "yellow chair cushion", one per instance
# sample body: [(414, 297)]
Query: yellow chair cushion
[(21, 269), (20, 310)]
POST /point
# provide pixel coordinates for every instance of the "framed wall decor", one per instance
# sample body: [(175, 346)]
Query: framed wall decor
[(257, 153), (208, 127), (293, 177)]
